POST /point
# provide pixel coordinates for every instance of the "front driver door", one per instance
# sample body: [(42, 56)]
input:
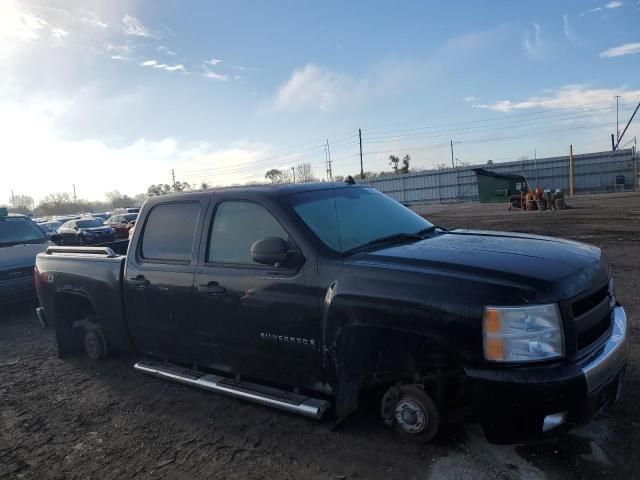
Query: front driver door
[(256, 320)]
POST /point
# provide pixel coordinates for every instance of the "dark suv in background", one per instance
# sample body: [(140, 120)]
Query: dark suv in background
[(20, 241)]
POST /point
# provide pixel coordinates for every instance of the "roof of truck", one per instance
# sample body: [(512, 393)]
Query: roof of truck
[(269, 189)]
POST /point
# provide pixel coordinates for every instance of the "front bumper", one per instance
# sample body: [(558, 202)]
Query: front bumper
[(523, 403)]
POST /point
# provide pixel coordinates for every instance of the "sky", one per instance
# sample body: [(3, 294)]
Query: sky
[(117, 94)]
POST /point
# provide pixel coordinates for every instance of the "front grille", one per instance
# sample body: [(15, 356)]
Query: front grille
[(592, 318), (16, 274), (592, 334), (585, 304)]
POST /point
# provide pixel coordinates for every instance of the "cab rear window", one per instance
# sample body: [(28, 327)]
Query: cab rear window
[(169, 232)]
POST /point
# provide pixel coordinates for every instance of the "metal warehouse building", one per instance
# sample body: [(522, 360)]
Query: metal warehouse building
[(592, 172)]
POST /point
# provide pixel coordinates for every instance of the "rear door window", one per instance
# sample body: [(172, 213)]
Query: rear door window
[(169, 232)]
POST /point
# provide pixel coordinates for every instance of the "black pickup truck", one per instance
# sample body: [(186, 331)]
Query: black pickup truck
[(306, 297)]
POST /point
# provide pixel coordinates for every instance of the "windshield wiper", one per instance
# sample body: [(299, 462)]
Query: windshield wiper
[(395, 238)]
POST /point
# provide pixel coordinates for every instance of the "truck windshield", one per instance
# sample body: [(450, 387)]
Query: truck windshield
[(17, 231), (359, 216)]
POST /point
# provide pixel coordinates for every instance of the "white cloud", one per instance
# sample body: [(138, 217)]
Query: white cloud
[(593, 10), (471, 99), (145, 161), (317, 88), (166, 50), (93, 20), (213, 61), (59, 33), (611, 5), (625, 49), (216, 76), (568, 97), (533, 47), (17, 26), (568, 31), (175, 68), (118, 57), (163, 66), (124, 49), (134, 27)]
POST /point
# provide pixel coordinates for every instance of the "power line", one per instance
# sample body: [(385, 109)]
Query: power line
[(492, 119), (460, 131)]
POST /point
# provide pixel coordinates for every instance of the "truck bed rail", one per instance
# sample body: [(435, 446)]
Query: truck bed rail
[(106, 251)]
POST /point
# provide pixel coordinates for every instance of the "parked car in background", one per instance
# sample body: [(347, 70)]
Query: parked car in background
[(84, 231), (126, 210), (20, 241), (122, 223), (104, 216), (65, 218), (49, 227)]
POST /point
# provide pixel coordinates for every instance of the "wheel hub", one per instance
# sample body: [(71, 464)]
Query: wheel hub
[(410, 416)]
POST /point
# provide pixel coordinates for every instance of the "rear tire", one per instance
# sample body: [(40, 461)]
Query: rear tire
[(95, 345), (412, 413)]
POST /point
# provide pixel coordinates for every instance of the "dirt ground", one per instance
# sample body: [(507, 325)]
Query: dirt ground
[(78, 419)]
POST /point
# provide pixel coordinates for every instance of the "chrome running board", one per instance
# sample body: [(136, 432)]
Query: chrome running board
[(268, 396)]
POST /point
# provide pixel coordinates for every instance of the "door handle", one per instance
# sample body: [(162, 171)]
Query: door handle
[(212, 289), (139, 281)]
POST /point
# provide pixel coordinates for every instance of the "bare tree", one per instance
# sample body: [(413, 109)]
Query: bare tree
[(304, 173), (21, 203), (117, 199)]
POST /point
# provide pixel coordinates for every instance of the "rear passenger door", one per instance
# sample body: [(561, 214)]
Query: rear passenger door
[(158, 280)]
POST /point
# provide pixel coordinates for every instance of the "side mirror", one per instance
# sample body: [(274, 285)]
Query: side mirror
[(269, 251), (76, 228)]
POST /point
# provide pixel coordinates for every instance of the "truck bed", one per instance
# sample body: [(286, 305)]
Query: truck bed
[(71, 276)]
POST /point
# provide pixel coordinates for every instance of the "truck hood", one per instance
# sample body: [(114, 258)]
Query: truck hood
[(506, 256), (21, 255)]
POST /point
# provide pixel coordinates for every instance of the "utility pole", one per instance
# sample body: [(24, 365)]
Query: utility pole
[(74, 193), (453, 165), (617, 121), (329, 172), (293, 169), (626, 127), (570, 169), (535, 163), (173, 177), (361, 167)]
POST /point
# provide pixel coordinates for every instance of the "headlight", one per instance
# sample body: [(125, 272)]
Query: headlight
[(522, 334)]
